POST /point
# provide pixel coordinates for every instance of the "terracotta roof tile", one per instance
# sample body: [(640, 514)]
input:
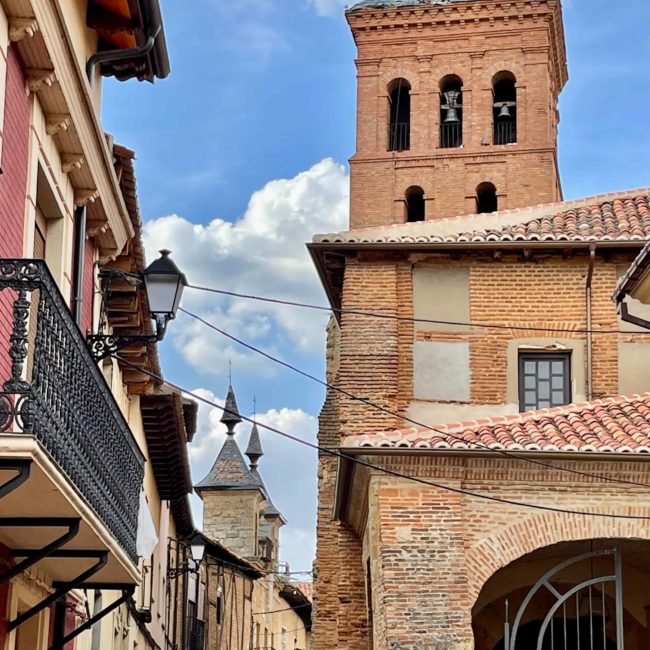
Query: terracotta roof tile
[(612, 425), (620, 216)]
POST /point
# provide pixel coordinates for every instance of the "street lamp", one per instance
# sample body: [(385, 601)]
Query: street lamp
[(197, 547), (163, 283)]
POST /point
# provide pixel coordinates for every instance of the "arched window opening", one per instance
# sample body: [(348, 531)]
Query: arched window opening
[(414, 197), (504, 108), (451, 112), (486, 198), (399, 130)]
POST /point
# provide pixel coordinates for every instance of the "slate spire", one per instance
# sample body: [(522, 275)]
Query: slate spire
[(231, 417), (254, 450), (229, 470)]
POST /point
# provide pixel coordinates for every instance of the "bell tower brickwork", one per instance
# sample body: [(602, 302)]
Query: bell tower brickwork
[(474, 42)]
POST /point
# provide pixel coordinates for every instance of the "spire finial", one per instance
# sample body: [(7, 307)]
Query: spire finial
[(230, 415), (230, 371), (254, 407)]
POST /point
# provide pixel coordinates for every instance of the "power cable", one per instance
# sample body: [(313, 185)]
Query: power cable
[(363, 463), (411, 319), (286, 609), (367, 402)]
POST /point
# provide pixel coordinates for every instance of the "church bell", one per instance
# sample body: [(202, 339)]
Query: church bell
[(452, 116), (505, 111)]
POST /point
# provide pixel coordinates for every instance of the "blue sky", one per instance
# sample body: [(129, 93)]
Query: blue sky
[(264, 90)]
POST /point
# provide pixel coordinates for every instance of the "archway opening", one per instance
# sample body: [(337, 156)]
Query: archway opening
[(585, 594), (451, 112), (486, 198), (415, 205), (399, 102), (504, 111)]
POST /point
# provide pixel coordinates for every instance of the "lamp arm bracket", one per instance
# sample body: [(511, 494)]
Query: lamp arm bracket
[(102, 346)]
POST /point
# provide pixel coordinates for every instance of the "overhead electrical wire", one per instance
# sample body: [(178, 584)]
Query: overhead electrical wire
[(367, 402), (412, 319), (384, 470)]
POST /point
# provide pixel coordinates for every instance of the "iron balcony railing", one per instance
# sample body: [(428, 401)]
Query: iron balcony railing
[(451, 135), (51, 388), (399, 136), (505, 132)]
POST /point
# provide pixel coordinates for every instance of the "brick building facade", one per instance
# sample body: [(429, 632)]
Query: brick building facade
[(497, 320)]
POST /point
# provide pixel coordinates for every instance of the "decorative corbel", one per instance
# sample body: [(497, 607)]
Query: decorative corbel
[(91, 233), (72, 161), (57, 122), (39, 78), (85, 196), (20, 28)]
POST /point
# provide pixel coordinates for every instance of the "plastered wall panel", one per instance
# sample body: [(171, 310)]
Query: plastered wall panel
[(633, 368), (441, 371), (440, 294)]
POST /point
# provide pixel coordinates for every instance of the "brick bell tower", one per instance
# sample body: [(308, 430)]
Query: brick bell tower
[(457, 107)]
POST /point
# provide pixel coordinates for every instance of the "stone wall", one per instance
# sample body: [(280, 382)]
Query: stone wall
[(232, 519)]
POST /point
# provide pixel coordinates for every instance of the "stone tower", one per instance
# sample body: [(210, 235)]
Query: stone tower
[(237, 510), (456, 107)]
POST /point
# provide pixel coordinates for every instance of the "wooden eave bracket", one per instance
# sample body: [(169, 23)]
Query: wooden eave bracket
[(57, 122), (39, 78), (86, 197), (72, 161), (20, 28)]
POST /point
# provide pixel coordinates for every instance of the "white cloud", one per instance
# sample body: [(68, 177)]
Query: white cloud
[(287, 467), (261, 253)]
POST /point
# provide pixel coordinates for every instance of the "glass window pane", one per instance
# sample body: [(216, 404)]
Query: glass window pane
[(558, 367), (530, 397), (544, 390), (543, 369), (558, 398), (543, 404), (529, 367), (530, 382), (558, 383)]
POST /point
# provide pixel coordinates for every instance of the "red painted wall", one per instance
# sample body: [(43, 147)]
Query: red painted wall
[(13, 188), (88, 287), (15, 149)]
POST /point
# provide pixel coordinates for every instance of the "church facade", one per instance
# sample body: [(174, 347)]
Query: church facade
[(489, 405)]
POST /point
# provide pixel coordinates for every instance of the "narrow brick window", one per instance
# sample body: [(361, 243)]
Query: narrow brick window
[(414, 198), (451, 112), (399, 129), (486, 198), (504, 110), (544, 380)]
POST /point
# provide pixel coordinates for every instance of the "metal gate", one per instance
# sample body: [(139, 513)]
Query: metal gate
[(580, 617)]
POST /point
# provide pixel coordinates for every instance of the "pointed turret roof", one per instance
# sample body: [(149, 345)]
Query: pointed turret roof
[(229, 471), (254, 452), (231, 417)]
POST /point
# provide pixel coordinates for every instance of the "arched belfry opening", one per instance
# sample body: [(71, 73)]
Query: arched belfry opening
[(415, 204), (486, 198), (451, 112), (504, 109), (399, 101)]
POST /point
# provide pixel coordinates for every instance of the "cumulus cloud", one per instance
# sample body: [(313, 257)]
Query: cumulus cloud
[(261, 253), (288, 469)]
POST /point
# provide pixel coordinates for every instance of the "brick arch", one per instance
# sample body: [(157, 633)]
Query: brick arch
[(535, 532), (399, 72), (503, 66), (421, 179)]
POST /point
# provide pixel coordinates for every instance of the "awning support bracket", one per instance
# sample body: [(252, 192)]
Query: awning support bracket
[(34, 555), (128, 591), (61, 589), (22, 467)]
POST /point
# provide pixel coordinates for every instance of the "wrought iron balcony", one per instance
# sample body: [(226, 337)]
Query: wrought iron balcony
[(399, 136), (505, 132), (51, 389), (451, 135)]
